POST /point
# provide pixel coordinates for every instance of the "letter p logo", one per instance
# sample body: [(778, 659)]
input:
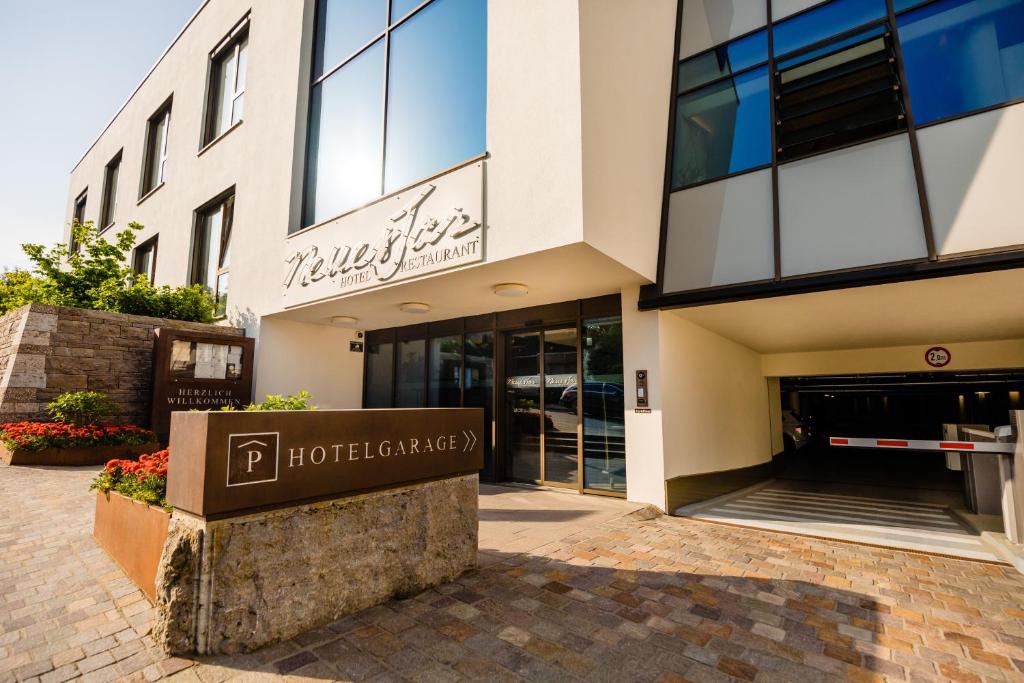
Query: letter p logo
[(252, 458)]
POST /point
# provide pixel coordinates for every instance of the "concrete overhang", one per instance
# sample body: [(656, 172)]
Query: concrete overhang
[(976, 307)]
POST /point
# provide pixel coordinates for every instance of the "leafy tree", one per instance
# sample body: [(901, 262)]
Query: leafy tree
[(96, 275)]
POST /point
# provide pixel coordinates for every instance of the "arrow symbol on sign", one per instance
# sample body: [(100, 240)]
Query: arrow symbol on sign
[(470, 440)]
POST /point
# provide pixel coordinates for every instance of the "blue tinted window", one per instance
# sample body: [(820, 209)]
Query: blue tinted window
[(723, 61), (343, 26), (722, 129), (437, 90), (962, 55), (824, 22), (399, 8), (346, 137), (831, 48)]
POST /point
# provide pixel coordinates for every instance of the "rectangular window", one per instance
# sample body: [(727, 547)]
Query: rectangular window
[(445, 390), (211, 249), (155, 160), (722, 128), (380, 366), (411, 366), (109, 203), (77, 218), (433, 51), (962, 55), (144, 260), (227, 84)]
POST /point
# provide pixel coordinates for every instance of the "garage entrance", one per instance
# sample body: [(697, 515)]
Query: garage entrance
[(922, 500)]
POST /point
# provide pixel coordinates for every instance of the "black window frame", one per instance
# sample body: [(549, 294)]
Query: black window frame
[(108, 201), (77, 217), (197, 270), (152, 245), (147, 184), (238, 34)]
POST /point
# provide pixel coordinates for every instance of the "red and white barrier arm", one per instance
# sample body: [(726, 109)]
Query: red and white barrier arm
[(921, 445)]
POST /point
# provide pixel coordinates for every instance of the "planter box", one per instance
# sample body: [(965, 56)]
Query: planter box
[(133, 534), (90, 455)]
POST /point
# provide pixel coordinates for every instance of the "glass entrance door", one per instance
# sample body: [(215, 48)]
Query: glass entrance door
[(541, 421)]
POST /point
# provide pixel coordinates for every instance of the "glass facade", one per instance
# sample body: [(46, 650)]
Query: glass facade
[(430, 59), (962, 55), (836, 80), (552, 429)]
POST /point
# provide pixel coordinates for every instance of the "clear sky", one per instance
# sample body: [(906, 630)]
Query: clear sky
[(66, 67)]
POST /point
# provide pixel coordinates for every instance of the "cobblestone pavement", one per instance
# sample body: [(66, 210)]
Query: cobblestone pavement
[(627, 599)]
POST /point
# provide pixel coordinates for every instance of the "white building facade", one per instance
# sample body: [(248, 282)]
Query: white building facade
[(527, 206)]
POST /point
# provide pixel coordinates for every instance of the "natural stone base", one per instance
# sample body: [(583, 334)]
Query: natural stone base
[(238, 584)]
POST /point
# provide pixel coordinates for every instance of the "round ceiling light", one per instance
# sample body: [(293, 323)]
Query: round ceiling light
[(511, 289), (414, 307), (343, 320)]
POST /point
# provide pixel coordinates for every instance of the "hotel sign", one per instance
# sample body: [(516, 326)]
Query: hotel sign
[(229, 463), (433, 226)]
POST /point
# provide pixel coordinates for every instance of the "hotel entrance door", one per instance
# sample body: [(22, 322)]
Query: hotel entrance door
[(542, 430)]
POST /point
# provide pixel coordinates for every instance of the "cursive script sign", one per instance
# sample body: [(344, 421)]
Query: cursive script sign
[(430, 227)]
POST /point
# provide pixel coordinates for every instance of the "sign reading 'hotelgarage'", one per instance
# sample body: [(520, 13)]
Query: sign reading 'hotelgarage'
[(230, 462), (427, 228)]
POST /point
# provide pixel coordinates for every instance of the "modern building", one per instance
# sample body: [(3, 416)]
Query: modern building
[(638, 234)]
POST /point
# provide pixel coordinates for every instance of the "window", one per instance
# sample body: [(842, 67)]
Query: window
[(411, 366), (380, 365), (77, 218), (211, 250), (227, 84), (144, 259), (431, 61), (723, 112), (962, 55), (109, 203), (155, 160)]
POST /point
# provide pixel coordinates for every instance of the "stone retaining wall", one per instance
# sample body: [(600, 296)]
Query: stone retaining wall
[(47, 350)]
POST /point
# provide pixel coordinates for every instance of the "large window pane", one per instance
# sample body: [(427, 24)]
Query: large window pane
[(445, 368), (561, 450), (824, 22), (411, 382), (723, 61), (437, 90), (343, 26), (723, 128), (345, 138), (380, 365), (962, 55), (604, 432), (478, 381)]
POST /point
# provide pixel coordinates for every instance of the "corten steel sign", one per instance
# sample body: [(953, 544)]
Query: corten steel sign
[(198, 371), (224, 463)]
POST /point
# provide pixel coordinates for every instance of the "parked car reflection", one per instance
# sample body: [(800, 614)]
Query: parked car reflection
[(601, 399)]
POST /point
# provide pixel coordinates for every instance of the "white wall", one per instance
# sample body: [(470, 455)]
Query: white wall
[(979, 355), (852, 207), (706, 23), (976, 202), (641, 350), (625, 57), (715, 401), (720, 233), (293, 357)]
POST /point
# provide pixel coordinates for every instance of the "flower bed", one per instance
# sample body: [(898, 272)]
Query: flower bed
[(132, 516), (63, 443)]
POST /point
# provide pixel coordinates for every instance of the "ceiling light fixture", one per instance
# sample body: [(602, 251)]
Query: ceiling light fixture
[(343, 320), (414, 307), (511, 289)]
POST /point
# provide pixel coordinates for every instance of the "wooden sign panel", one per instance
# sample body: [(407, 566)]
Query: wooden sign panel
[(224, 463), (193, 371)]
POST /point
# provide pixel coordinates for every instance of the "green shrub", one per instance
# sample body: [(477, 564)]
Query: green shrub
[(81, 407), (97, 276), (298, 401)]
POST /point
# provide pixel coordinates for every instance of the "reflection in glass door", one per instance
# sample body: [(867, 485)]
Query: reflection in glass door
[(604, 433), (522, 406), (561, 445)]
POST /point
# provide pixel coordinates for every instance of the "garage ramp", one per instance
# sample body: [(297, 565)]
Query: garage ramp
[(831, 512)]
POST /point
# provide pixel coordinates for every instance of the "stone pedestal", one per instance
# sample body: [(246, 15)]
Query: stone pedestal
[(237, 584)]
